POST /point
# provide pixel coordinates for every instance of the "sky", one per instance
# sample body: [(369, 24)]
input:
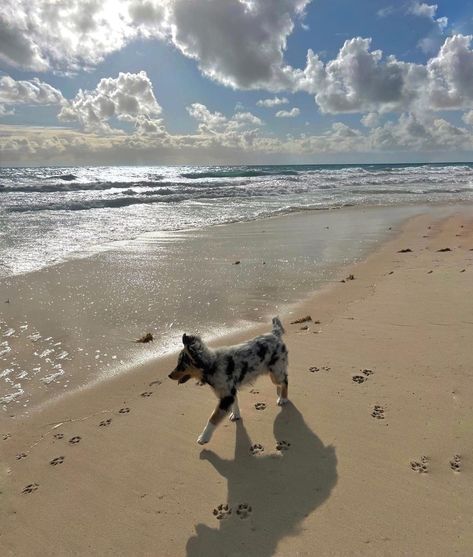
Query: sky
[(100, 82)]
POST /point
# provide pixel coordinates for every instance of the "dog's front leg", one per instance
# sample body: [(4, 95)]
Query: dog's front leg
[(217, 416), (235, 415)]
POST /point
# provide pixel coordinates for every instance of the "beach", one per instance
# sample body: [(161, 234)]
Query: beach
[(371, 456)]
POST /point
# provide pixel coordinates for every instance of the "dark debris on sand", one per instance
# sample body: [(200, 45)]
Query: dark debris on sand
[(302, 320), (148, 337)]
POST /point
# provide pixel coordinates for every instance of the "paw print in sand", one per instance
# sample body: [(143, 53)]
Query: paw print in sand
[(254, 391), (58, 436), (358, 379), (378, 412), (125, 410), (283, 446), (256, 449), (422, 466), (244, 510), (57, 460), (260, 406), (455, 463), (20, 456), (146, 394), (222, 512), (314, 369), (367, 372), (74, 440), (105, 423), (30, 488)]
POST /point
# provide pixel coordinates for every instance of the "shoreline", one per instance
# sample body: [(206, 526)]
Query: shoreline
[(101, 249), (102, 348), (351, 481)]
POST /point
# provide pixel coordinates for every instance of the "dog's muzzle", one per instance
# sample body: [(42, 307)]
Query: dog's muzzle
[(179, 380)]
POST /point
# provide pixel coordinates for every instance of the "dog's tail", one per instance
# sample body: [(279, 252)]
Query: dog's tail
[(278, 329)]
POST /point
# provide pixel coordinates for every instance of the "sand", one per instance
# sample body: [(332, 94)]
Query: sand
[(372, 456), (75, 322)]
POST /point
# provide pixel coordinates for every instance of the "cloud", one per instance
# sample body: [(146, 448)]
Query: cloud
[(275, 101), (432, 41), (288, 113), (16, 47), (416, 133), (34, 92), (220, 142), (226, 37), (216, 130), (127, 98), (450, 75), (423, 10), (44, 35), (385, 12), (248, 118), (235, 42), (358, 80), (468, 118), (363, 80), (370, 120)]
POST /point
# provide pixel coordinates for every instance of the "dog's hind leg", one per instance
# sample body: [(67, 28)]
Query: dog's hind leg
[(217, 416), (235, 415), (279, 378), (283, 393)]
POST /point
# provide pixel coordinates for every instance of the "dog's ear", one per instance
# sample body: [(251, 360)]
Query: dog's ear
[(187, 340), (194, 347)]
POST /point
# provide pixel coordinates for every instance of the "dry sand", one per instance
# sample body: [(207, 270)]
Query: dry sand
[(381, 465)]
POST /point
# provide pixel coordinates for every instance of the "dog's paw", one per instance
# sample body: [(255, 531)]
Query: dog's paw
[(282, 401), (206, 434), (234, 417)]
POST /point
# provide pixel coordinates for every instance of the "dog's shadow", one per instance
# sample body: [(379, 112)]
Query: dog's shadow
[(282, 489)]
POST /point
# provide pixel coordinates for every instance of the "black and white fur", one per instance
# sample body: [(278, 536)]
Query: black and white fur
[(227, 369)]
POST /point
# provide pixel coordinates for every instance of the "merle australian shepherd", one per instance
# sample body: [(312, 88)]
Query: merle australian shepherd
[(227, 369)]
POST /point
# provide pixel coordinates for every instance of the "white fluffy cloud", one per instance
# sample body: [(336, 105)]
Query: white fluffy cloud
[(429, 11), (363, 80), (432, 41), (236, 42), (72, 34), (128, 98), (288, 113), (468, 118), (450, 75), (423, 10), (218, 141), (358, 79), (34, 92), (270, 103), (240, 43), (370, 120), (216, 130)]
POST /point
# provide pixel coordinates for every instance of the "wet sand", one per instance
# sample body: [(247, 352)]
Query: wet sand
[(75, 323), (372, 456)]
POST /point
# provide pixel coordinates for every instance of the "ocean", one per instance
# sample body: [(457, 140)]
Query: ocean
[(51, 214), (93, 258)]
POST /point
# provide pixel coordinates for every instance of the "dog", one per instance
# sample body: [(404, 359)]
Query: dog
[(225, 370)]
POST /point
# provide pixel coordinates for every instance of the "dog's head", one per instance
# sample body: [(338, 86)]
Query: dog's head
[(191, 361)]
